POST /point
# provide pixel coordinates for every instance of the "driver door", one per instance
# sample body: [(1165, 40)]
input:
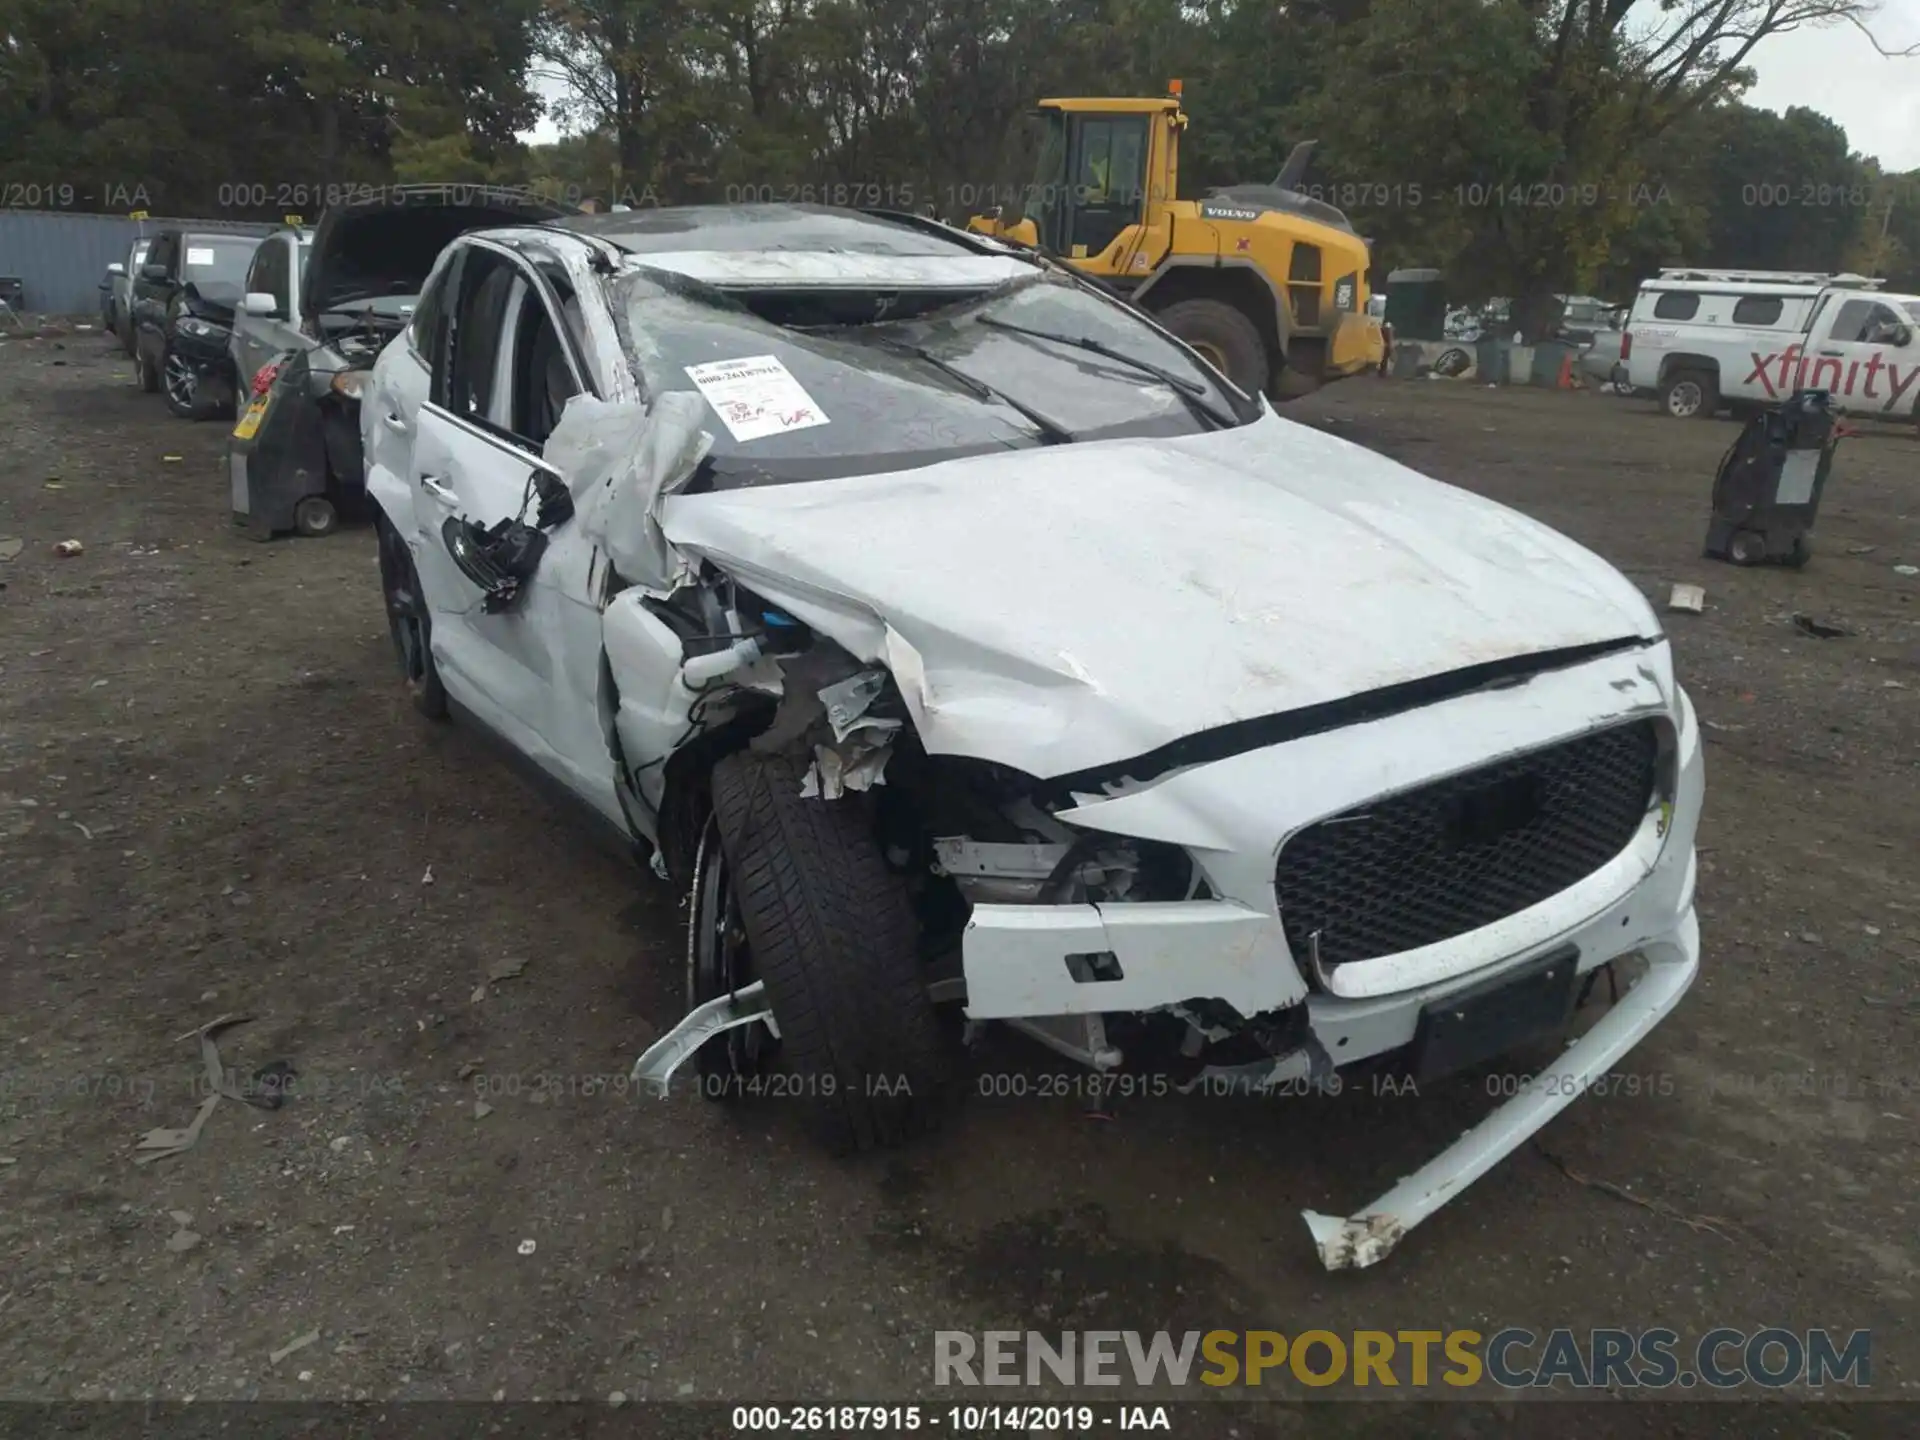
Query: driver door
[(1861, 363), (529, 670), (1107, 161)]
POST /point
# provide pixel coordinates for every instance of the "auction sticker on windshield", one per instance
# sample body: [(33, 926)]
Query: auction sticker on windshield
[(198, 256), (755, 396)]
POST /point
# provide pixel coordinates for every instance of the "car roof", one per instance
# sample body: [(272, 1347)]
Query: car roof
[(736, 228)]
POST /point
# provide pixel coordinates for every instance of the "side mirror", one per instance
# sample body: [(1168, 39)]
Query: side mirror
[(116, 268), (1903, 336), (153, 270), (260, 302), (556, 501)]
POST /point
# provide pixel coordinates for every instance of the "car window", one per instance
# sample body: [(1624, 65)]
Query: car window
[(221, 259), (1856, 319), (1757, 310), (541, 377), (271, 272), (1676, 305), (811, 399), (427, 331), (479, 313)]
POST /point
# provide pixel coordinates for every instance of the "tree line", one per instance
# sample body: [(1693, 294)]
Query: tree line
[(1525, 146)]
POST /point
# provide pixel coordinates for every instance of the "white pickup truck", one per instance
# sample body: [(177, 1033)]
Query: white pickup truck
[(1704, 339)]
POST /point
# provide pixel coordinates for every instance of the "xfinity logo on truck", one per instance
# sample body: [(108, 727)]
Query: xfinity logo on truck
[(1785, 371)]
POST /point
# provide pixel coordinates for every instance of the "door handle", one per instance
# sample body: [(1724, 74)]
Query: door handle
[(394, 423), (1836, 354), (438, 490)]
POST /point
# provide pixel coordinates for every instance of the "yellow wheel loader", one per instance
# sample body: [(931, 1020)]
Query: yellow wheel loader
[(1269, 284)]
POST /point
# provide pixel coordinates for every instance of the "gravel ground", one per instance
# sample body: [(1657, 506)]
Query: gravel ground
[(214, 798)]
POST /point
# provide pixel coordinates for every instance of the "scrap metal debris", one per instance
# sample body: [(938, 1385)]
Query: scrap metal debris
[(11, 546), (862, 744), (857, 763), (160, 1143), (1807, 625), (1690, 598), (505, 969), (298, 1343), (67, 549)]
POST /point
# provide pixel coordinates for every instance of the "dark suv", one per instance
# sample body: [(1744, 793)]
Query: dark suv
[(184, 299)]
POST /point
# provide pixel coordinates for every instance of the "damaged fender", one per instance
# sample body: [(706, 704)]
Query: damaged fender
[(620, 459)]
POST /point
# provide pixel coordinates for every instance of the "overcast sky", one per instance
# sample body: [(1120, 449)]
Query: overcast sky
[(1836, 71)]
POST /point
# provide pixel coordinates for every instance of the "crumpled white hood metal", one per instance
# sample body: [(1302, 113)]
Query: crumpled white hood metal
[(1067, 607)]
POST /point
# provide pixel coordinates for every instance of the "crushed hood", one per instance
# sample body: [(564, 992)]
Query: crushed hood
[(1069, 607)]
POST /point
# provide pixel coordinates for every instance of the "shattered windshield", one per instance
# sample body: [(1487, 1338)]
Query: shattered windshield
[(807, 387)]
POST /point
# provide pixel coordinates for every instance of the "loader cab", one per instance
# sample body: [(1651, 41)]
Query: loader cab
[(1100, 164)]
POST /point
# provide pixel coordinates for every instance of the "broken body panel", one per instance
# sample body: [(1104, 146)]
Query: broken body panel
[(1171, 656)]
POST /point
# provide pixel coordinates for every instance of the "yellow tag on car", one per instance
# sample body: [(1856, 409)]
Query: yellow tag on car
[(250, 421)]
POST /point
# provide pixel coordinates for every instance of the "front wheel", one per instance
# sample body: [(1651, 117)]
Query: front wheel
[(410, 623), (833, 935), (720, 961), (1225, 338), (188, 394)]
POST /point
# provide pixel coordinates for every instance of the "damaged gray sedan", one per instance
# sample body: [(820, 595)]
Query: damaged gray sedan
[(967, 649)]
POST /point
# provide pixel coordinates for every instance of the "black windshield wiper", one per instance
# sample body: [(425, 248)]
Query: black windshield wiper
[(1052, 432), (1192, 391)]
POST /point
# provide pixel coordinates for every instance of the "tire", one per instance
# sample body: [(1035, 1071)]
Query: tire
[(719, 961), (182, 387), (145, 371), (315, 516), (1690, 395), (410, 623), (1801, 553), (1747, 547), (1225, 336), (834, 937)]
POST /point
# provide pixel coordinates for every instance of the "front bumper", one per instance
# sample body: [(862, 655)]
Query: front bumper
[(206, 353), (1233, 817)]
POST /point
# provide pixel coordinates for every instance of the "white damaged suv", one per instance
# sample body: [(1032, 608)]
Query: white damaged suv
[(967, 647)]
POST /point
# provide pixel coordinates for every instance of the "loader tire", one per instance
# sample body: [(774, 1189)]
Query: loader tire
[(834, 937), (1227, 338)]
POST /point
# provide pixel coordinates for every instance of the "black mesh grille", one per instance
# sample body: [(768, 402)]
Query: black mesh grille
[(1436, 862)]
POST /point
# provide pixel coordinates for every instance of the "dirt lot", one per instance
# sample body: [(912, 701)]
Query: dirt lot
[(214, 797)]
